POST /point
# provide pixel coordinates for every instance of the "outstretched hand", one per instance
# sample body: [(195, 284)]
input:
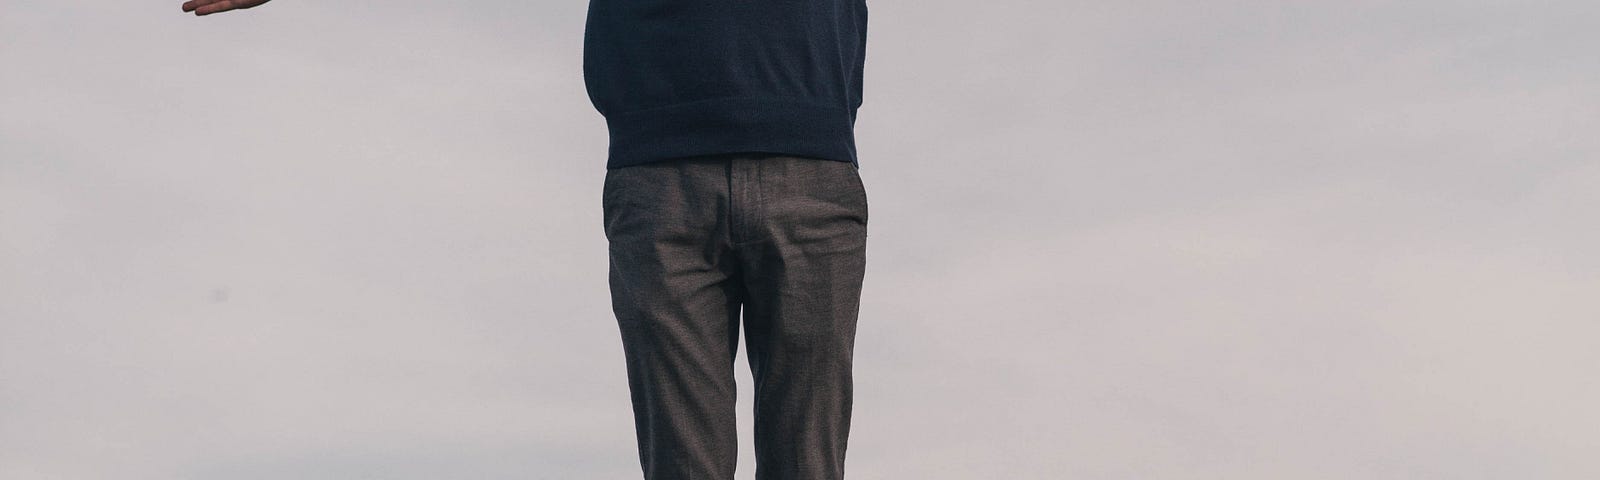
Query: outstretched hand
[(207, 7)]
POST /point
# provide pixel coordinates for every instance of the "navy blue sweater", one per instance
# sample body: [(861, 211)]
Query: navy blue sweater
[(676, 78)]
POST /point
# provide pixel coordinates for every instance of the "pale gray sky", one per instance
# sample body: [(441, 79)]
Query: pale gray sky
[(1109, 240)]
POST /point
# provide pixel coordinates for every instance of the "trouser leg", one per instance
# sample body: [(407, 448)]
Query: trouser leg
[(801, 239), (675, 291)]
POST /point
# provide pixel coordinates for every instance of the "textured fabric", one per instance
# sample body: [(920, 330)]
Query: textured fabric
[(677, 78), (692, 243)]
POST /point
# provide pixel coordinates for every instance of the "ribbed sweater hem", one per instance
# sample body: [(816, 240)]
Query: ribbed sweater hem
[(731, 125)]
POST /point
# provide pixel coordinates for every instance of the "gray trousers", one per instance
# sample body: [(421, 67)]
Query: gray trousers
[(692, 242)]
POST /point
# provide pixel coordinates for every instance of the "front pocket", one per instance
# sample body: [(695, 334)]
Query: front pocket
[(606, 189), (860, 189)]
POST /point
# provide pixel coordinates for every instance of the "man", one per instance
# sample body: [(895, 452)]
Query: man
[(732, 182)]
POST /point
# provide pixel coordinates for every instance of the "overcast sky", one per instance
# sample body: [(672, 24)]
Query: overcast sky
[(1109, 240)]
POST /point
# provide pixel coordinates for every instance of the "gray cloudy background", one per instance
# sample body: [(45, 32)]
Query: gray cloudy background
[(1110, 240)]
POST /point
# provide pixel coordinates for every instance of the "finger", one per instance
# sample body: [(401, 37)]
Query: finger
[(216, 6), (190, 5)]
